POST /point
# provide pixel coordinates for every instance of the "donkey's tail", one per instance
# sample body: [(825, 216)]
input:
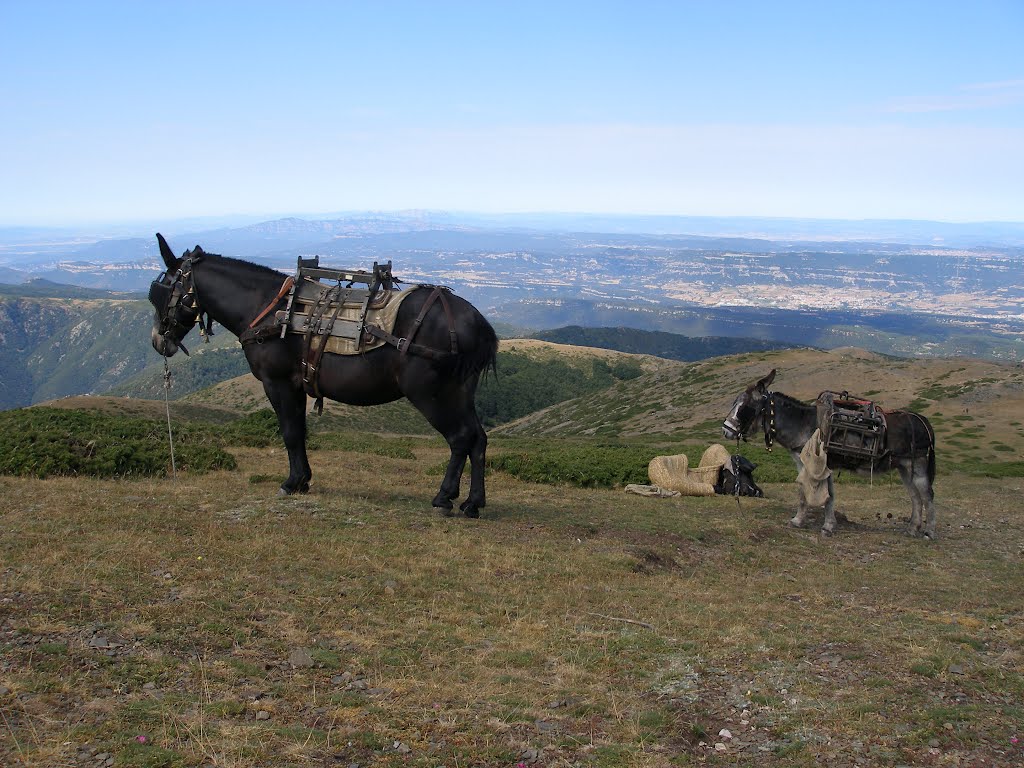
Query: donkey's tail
[(930, 432)]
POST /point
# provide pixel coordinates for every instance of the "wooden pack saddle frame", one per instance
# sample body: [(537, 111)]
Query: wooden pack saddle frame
[(851, 426), (316, 297)]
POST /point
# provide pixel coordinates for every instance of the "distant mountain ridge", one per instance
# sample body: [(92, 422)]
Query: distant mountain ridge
[(41, 288)]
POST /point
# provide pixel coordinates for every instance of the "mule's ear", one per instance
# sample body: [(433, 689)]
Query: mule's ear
[(766, 382), (196, 251), (170, 260)]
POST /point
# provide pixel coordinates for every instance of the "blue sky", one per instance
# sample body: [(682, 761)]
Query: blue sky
[(149, 110)]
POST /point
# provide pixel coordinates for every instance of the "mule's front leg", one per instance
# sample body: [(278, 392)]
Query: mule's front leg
[(289, 404)]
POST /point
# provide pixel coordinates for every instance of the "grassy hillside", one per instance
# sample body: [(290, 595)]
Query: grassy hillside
[(531, 374), (209, 364), (206, 621), (977, 407)]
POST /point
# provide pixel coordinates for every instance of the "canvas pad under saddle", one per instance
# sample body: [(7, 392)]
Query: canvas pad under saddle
[(345, 336)]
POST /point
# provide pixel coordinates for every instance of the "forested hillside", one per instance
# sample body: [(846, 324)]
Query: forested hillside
[(658, 343), (57, 345)]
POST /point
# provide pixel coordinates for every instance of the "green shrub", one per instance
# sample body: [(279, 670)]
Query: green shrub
[(42, 442), (587, 466), (255, 430)]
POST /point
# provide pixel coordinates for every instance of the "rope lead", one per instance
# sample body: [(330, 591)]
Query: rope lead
[(167, 405)]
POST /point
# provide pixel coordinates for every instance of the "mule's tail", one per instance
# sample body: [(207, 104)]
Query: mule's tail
[(482, 354)]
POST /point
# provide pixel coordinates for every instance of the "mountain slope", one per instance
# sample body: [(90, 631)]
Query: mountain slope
[(977, 407), (54, 346), (658, 343)]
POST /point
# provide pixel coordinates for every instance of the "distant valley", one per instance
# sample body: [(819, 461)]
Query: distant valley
[(71, 318)]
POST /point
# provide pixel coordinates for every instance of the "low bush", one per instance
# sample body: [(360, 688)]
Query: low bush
[(612, 465), (41, 442), (586, 466)]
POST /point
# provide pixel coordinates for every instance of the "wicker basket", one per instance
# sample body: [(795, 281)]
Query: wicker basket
[(673, 472)]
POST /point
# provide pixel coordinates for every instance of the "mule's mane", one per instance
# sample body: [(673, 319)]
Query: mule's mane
[(251, 266)]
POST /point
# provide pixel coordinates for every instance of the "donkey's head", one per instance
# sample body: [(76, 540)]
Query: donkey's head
[(746, 408)]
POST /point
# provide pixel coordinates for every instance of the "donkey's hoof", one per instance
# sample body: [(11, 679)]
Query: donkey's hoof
[(826, 533), (794, 523)]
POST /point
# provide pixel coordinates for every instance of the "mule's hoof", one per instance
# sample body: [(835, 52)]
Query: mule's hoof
[(282, 491), (446, 511), (472, 512)]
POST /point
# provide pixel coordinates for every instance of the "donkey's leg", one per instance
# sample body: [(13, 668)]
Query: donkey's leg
[(800, 518), (830, 510), (926, 494), (909, 477), (289, 403)]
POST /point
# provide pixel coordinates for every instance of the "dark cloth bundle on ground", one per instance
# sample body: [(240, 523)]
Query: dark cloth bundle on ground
[(736, 478)]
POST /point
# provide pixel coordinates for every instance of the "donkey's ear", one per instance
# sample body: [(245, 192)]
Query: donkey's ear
[(170, 260), (766, 382)]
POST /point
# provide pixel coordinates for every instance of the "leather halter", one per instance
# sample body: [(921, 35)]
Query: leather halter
[(177, 293)]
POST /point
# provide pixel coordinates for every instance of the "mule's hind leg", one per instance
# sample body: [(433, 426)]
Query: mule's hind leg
[(454, 416), (289, 404)]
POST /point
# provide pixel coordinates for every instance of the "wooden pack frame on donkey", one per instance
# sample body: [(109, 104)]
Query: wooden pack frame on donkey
[(438, 372)]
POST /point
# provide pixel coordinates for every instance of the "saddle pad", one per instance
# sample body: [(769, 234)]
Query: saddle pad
[(383, 317)]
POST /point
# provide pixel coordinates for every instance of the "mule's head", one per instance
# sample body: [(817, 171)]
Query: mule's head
[(742, 418), (173, 297)]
